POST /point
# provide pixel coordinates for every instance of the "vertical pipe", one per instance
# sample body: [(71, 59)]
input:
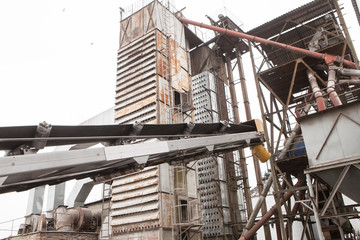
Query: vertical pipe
[(316, 213), (316, 91), (331, 88)]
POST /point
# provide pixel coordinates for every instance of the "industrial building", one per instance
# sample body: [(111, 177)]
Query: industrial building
[(173, 160)]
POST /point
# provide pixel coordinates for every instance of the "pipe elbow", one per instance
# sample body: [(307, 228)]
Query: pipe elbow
[(261, 153)]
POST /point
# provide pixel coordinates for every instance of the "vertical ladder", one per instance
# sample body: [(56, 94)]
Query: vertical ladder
[(105, 230)]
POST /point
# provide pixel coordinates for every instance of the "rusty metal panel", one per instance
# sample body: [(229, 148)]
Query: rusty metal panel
[(171, 24), (134, 220), (137, 25), (163, 110), (135, 185), (181, 81), (135, 201), (167, 208), (150, 206), (135, 177), (121, 111), (163, 91), (130, 202), (133, 194), (153, 234)]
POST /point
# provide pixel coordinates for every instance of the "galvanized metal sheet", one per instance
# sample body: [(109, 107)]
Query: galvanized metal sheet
[(332, 135)]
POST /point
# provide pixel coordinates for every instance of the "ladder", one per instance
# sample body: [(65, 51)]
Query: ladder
[(105, 230)]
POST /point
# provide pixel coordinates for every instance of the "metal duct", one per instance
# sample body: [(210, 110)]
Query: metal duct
[(317, 92), (331, 87), (75, 219)]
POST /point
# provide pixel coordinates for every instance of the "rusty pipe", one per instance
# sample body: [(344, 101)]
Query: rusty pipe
[(316, 91), (329, 59), (331, 88), (249, 234)]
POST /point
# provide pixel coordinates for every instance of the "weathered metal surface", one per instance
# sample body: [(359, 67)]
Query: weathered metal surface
[(331, 139), (167, 204), (332, 134), (145, 102), (140, 234), (298, 15), (130, 201), (146, 19)]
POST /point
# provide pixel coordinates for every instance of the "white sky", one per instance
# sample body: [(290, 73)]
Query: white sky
[(58, 59)]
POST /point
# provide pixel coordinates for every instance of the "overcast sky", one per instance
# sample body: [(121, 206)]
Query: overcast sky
[(58, 58)]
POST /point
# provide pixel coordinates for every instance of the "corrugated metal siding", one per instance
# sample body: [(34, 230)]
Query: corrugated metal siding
[(135, 201), (151, 68)]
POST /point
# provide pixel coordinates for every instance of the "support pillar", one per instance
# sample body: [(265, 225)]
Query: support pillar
[(257, 168)]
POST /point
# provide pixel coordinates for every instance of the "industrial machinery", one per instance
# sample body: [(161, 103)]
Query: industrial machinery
[(192, 181)]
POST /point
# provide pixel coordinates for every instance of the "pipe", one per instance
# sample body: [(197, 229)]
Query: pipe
[(349, 72), (349, 82), (261, 153), (258, 204), (329, 59), (331, 88), (249, 234), (75, 219), (317, 92)]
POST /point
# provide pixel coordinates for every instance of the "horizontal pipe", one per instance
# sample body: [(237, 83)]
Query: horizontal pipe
[(249, 234), (329, 59), (349, 82), (349, 72)]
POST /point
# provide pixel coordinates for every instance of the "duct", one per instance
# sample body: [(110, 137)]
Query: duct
[(349, 72), (72, 219), (80, 192), (249, 234), (329, 59), (331, 87), (317, 92)]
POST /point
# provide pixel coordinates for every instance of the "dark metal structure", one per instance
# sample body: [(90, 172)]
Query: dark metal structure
[(302, 56)]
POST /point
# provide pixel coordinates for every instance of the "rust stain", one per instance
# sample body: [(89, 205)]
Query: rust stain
[(134, 107)]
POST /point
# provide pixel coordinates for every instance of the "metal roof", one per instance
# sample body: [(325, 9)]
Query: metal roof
[(298, 15)]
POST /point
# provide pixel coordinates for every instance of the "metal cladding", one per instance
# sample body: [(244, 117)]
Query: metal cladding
[(211, 170), (153, 72), (331, 144), (153, 86)]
